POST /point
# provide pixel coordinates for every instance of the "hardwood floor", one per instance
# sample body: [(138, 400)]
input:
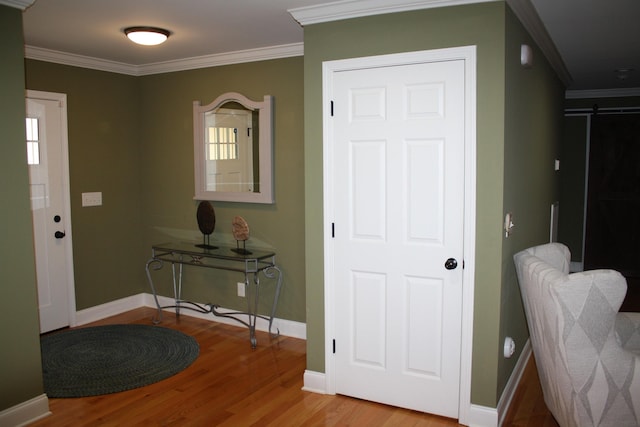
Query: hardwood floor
[(527, 407), (232, 385)]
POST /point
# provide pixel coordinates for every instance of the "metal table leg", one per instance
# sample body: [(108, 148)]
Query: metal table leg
[(177, 286), (156, 264), (270, 272)]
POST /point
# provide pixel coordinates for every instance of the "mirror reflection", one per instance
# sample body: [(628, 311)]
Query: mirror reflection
[(233, 149), (231, 139)]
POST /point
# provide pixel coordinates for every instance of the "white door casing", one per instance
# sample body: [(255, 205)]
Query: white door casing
[(51, 211), (400, 120)]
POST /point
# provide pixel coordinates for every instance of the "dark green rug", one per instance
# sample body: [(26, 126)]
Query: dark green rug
[(108, 359)]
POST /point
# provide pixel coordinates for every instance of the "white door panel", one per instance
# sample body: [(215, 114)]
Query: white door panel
[(398, 198), (48, 176)]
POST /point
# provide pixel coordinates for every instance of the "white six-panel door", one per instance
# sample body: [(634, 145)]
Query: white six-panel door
[(397, 161)]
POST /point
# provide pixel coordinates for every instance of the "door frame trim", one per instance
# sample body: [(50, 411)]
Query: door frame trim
[(66, 195), (468, 55)]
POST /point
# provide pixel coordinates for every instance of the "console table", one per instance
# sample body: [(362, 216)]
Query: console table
[(251, 264)]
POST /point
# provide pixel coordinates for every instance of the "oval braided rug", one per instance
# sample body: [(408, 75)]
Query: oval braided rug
[(112, 358)]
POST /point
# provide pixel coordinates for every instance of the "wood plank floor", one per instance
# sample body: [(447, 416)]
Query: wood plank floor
[(232, 385)]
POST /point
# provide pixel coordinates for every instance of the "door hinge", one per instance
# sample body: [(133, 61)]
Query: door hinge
[(331, 108), (333, 230), (334, 346)]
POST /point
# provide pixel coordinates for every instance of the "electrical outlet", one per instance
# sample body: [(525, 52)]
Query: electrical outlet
[(241, 289)]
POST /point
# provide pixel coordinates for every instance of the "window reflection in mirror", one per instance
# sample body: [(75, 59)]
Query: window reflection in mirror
[(233, 149)]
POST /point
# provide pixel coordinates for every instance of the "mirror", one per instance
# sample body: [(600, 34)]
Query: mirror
[(233, 149)]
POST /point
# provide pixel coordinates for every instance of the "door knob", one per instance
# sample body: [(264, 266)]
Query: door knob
[(450, 264), (59, 234)]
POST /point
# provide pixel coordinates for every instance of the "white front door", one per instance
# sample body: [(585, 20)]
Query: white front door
[(49, 187), (397, 194), (229, 150)]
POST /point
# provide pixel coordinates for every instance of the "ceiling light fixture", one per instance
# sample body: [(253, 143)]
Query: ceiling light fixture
[(148, 36), (623, 73)]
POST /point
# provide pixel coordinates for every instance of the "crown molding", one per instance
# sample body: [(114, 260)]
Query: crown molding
[(64, 58), (530, 19), (602, 93), (327, 12), (237, 57), (228, 58), (347, 9), (18, 4)]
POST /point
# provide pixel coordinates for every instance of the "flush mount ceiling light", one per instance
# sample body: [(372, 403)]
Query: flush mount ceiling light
[(148, 36), (623, 73)]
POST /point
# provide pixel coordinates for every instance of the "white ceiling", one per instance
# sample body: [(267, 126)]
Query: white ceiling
[(593, 37)]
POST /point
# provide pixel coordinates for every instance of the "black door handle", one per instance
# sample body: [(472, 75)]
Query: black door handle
[(59, 234), (450, 264)]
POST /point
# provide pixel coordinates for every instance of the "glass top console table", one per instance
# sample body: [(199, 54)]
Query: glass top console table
[(252, 265)]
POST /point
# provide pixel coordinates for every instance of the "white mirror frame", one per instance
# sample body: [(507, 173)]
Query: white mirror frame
[(265, 121)]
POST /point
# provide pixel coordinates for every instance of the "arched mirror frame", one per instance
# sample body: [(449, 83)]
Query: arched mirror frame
[(265, 147)]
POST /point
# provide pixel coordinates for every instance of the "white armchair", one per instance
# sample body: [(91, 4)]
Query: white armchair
[(588, 354)]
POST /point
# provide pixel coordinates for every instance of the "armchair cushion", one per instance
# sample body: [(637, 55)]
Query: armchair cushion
[(588, 370)]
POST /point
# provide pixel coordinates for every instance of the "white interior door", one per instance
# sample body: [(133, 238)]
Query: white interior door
[(49, 188), (397, 155)]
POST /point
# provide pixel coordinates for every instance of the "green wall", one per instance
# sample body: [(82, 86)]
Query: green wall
[(20, 365), (533, 128), (168, 208), (132, 138), (497, 35), (103, 117), (481, 25)]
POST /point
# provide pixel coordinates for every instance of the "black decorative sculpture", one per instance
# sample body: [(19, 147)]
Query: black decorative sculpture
[(206, 223)]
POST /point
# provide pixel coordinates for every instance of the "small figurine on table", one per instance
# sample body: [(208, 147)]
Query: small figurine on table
[(206, 217), (240, 230)]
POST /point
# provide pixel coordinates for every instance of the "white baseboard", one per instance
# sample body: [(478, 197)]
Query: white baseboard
[(314, 382), (112, 308), (26, 413), (287, 328), (514, 380), (482, 416), (477, 416)]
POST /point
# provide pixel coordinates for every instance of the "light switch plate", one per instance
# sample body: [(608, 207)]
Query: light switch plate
[(92, 199)]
